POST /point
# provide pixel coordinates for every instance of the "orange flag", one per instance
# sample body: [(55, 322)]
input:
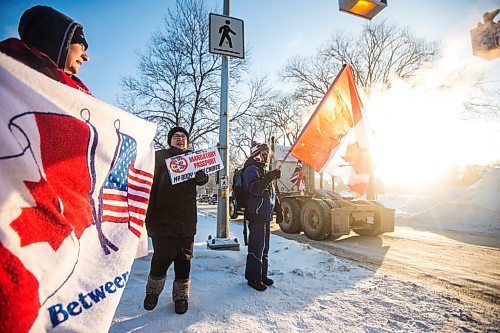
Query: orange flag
[(335, 135)]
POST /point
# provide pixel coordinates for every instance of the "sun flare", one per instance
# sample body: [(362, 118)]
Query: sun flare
[(420, 134)]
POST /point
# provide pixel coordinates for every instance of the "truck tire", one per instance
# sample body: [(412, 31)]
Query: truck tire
[(316, 219), (375, 229), (331, 203), (233, 211), (291, 216)]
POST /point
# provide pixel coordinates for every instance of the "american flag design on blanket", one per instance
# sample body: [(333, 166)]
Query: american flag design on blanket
[(126, 190)]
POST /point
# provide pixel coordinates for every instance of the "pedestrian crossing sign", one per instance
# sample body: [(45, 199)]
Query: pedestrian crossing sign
[(226, 36)]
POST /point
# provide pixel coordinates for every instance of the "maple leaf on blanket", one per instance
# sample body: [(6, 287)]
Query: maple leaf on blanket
[(62, 202), (19, 302)]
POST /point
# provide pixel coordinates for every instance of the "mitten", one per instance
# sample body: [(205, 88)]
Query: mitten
[(276, 174), (201, 177)]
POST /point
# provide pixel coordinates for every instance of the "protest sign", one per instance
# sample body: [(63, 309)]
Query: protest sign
[(184, 167)]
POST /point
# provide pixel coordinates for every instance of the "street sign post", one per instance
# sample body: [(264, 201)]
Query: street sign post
[(226, 36)]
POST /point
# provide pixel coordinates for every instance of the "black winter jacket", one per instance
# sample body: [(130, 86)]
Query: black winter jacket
[(172, 208)]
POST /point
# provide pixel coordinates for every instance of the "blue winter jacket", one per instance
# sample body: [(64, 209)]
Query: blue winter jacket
[(259, 190)]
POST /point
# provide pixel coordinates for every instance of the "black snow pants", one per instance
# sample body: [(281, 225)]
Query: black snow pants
[(172, 249), (258, 248)]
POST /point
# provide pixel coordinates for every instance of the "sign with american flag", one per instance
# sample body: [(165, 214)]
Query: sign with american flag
[(75, 178)]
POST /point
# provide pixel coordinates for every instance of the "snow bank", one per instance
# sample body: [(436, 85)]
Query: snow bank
[(471, 209)]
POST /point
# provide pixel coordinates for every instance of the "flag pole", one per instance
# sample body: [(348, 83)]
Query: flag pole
[(314, 113)]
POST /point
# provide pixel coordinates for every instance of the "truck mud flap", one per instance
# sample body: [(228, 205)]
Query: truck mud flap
[(386, 219), (340, 220)]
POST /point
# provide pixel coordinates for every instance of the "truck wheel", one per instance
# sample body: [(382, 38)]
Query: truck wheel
[(375, 229), (291, 216), (316, 219), (233, 212)]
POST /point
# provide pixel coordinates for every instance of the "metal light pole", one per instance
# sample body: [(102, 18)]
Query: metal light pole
[(222, 241), (223, 202)]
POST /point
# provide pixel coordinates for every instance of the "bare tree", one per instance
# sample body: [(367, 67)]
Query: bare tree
[(378, 52), (280, 117), (244, 130), (179, 80), (313, 76), (284, 113)]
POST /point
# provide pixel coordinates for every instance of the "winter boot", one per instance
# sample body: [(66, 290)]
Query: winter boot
[(153, 291), (257, 285), (180, 295), (267, 281)]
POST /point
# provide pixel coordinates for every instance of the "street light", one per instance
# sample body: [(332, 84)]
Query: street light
[(363, 8)]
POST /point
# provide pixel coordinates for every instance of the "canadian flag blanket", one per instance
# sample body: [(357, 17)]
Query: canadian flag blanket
[(75, 179)]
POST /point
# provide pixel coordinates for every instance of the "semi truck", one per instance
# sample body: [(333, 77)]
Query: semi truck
[(321, 212)]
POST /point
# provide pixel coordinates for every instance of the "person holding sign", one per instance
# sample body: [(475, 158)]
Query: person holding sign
[(257, 182), (171, 223)]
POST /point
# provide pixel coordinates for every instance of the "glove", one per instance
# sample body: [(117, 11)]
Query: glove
[(200, 176), (275, 174)]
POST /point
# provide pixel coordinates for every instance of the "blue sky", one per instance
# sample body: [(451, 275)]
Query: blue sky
[(274, 30)]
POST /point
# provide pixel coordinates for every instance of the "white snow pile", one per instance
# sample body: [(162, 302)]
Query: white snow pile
[(314, 291), (474, 209)]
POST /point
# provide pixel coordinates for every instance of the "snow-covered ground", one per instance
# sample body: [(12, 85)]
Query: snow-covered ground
[(314, 290)]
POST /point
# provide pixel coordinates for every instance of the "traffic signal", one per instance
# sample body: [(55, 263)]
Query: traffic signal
[(485, 37), (364, 8)]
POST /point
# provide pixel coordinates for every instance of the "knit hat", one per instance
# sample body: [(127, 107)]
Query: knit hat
[(79, 38), (255, 149), (175, 130)]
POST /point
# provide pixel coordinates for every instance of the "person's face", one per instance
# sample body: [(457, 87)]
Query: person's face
[(264, 153), (76, 57), (179, 140)]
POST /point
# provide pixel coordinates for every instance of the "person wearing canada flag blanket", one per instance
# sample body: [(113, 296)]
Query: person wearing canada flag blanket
[(54, 45), (171, 223), (51, 43), (75, 180)]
